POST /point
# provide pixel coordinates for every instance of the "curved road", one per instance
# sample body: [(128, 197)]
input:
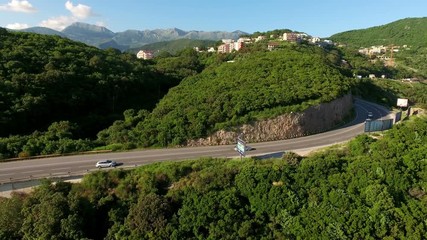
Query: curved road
[(80, 164)]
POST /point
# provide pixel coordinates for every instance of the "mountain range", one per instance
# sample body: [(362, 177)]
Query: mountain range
[(102, 37)]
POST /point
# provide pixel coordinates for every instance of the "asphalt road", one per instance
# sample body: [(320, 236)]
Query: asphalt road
[(16, 171)]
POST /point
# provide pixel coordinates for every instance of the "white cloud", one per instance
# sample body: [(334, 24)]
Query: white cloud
[(58, 23), (18, 6), (79, 11), (17, 26), (101, 24)]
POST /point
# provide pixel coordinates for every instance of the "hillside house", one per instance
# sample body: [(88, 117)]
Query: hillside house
[(291, 37), (374, 50), (315, 40), (259, 38), (244, 40), (229, 45), (225, 48), (145, 54), (272, 45)]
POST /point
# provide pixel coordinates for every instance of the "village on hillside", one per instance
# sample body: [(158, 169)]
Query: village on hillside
[(231, 45), (381, 53)]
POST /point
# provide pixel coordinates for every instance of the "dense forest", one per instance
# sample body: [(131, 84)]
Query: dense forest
[(251, 87), (175, 46), (374, 187), (58, 96), (44, 79), (409, 31)]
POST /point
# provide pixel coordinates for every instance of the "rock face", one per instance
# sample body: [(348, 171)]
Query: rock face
[(313, 120)]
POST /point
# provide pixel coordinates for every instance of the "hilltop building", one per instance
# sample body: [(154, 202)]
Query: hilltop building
[(291, 37), (145, 54), (230, 45), (315, 40), (272, 45), (259, 38)]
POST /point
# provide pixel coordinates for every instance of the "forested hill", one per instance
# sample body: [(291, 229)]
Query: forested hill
[(371, 188), (409, 31), (175, 46), (252, 86), (44, 79)]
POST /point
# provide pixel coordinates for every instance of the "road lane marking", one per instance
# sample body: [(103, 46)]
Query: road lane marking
[(54, 169), (34, 171)]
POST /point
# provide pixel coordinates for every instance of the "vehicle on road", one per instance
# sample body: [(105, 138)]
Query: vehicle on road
[(106, 163), (370, 115)]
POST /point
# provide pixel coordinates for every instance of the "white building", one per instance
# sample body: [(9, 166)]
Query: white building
[(227, 41), (145, 54), (259, 38), (244, 40), (225, 48), (315, 39), (229, 45), (290, 37)]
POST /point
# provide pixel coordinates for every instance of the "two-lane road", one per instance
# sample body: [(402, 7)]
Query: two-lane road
[(81, 164)]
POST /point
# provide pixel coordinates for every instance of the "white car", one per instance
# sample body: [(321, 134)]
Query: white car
[(106, 163)]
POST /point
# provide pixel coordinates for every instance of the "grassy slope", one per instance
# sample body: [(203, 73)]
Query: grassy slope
[(175, 45), (409, 31), (254, 86)]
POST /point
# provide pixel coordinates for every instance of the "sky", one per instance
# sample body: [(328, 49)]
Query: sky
[(317, 18)]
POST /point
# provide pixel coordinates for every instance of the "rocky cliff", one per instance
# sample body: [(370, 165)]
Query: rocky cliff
[(313, 120)]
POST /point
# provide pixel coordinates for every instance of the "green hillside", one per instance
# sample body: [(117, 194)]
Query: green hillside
[(58, 96), (409, 31), (252, 86), (408, 36), (44, 79), (371, 188), (175, 46)]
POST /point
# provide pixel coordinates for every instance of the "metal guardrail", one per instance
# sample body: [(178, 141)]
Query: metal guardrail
[(54, 155), (34, 180), (28, 184)]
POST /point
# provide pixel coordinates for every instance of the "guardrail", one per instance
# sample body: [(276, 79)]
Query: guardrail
[(54, 155), (7, 188), (19, 183)]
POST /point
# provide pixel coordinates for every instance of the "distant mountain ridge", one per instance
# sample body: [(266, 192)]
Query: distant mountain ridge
[(102, 37)]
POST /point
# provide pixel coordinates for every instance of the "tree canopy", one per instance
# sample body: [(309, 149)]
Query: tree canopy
[(371, 188), (46, 79), (104, 99), (253, 86), (408, 31)]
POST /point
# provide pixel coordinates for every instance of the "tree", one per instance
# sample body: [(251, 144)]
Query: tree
[(47, 214), (11, 218), (148, 219)]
